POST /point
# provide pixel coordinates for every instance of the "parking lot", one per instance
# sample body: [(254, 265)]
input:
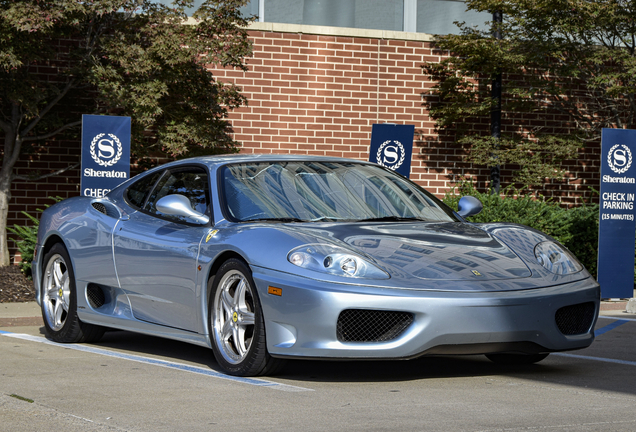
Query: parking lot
[(140, 383)]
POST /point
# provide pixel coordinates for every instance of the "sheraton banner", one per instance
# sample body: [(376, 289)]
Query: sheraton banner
[(392, 147), (617, 228), (105, 153)]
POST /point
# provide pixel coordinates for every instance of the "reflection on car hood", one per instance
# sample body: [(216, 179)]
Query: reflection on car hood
[(431, 251)]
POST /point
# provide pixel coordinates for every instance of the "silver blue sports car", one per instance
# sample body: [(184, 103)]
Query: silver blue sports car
[(268, 257)]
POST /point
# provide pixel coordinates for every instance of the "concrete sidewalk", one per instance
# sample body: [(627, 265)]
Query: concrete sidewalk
[(20, 314)]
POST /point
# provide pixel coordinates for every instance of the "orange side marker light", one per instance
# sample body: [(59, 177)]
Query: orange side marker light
[(274, 291)]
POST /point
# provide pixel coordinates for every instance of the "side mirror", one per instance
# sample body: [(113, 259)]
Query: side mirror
[(178, 205), (469, 206)]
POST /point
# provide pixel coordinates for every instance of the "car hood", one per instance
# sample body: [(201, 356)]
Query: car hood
[(429, 251)]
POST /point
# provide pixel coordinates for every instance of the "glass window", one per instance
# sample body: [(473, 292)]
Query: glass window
[(437, 16), (370, 14), (191, 182), (137, 193), (324, 191)]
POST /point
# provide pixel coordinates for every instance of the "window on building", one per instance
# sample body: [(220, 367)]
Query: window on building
[(437, 16), (421, 16)]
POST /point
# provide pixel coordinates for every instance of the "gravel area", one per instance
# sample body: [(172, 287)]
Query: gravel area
[(14, 286)]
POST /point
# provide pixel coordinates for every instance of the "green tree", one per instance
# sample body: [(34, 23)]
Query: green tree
[(63, 58), (568, 60)]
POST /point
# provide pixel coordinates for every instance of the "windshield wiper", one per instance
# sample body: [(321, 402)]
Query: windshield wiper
[(391, 219), (283, 219), (331, 219)]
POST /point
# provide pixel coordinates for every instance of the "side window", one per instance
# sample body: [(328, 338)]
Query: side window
[(191, 182), (137, 193)]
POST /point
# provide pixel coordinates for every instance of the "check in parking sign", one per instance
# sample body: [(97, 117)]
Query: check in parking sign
[(105, 153), (617, 228)]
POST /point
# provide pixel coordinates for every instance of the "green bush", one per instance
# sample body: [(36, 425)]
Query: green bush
[(575, 228), (28, 235)]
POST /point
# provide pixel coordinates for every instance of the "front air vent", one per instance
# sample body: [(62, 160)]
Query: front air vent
[(576, 319), (95, 296), (362, 325), (106, 208), (99, 207)]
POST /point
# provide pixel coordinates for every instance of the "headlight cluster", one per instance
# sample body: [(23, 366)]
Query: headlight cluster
[(556, 259), (334, 260)]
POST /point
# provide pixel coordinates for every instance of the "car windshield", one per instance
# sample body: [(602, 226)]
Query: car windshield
[(324, 191)]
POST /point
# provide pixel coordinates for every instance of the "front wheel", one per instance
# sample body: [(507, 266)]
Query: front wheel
[(516, 359), (59, 300), (236, 323)]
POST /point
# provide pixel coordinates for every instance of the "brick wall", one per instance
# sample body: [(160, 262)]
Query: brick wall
[(321, 94)]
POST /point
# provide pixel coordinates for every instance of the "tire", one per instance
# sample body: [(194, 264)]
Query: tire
[(236, 323), (516, 359), (59, 301)]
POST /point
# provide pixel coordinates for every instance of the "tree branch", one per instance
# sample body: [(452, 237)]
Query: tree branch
[(46, 109), (49, 135), (33, 179)]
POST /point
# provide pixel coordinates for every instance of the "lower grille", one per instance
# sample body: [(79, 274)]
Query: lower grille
[(576, 319), (95, 295), (361, 325)]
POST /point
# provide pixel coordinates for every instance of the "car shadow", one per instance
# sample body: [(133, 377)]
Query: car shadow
[(336, 371), (555, 370)]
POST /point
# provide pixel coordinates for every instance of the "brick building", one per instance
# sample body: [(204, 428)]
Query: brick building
[(316, 89)]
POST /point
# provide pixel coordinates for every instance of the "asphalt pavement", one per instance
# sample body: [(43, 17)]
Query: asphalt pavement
[(131, 382)]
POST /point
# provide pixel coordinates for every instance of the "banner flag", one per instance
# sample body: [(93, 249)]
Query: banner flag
[(617, 230), (392, 147), (105, 154)]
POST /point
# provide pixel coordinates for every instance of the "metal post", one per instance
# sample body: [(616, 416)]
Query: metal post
[(495, 114)]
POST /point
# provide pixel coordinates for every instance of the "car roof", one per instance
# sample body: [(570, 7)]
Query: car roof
[(218, 160)]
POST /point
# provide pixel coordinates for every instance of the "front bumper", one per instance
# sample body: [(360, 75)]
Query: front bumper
[(302, 321)]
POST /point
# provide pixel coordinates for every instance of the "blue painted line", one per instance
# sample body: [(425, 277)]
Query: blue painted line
[(157, 362), (609, 327)]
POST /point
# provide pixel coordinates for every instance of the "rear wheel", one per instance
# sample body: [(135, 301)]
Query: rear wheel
[(236, 323), (59, 300), (516, 359)]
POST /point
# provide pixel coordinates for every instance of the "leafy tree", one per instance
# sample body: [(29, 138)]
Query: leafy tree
[(568, 60), (63, 58)]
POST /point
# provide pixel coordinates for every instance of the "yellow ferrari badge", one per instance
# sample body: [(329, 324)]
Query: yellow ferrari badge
[(210, 235)]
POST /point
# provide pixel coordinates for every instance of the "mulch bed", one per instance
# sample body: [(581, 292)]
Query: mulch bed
[(14, 286)]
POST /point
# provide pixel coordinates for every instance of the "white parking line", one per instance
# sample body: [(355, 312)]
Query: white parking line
[(601, 359), (615, 318), (163, 363)]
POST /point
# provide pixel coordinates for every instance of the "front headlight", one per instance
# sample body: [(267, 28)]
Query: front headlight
[(556, 259), (334, 260)]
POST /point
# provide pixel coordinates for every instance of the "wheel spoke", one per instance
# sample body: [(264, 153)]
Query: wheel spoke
[(58, 275), (228, 303), (239, 341), (59, 309), (52, 292), (239, 295), (247, 318), (226, 330)]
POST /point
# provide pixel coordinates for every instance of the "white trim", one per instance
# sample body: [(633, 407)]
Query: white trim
[(410, 16), (339, 31)]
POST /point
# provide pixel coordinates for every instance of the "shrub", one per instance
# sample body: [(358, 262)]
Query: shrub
[(28, 235)]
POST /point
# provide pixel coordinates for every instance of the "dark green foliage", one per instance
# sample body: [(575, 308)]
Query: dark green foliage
[(28, 235), (138, 58), (575, 228), (565, 60)]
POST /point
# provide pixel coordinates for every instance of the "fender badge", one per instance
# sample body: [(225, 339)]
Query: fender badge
[(210, 234), (476, 273)]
